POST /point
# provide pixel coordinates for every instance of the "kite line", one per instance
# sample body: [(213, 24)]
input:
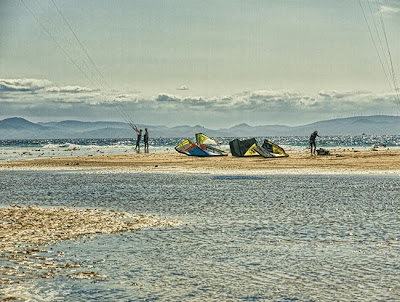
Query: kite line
[(92, 73), (379, 37)]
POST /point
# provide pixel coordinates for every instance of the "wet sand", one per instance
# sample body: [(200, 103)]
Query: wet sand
[(25, 232), (341, 162)]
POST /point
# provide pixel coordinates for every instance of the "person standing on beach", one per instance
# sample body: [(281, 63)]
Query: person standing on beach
[(139, 136), (146, 140), (312, 142)]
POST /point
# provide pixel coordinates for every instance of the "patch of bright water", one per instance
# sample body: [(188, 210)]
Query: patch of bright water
[(270, 238)]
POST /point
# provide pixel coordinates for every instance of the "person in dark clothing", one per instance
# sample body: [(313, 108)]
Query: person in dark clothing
[(146, 140), (139, 136), (312, 142)]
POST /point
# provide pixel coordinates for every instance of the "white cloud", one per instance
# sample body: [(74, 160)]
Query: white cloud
[(166, 98), (389, 9), (70, 89), (23, 85), (41, 98), (278, 103), (183, 87), (38, 85)]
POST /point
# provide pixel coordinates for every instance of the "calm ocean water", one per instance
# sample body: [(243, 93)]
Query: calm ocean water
[(243, 238), (26, 149)]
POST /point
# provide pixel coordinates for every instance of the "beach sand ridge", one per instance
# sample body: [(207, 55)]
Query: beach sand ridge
[(343, 162)]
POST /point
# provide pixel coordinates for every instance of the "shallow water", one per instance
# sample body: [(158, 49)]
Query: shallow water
[(243, 238)]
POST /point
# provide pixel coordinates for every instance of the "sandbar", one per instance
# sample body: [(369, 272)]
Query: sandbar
[(385, 161)]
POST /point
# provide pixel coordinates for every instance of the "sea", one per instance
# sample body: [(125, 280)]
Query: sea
[(241, 238), (37, 148)]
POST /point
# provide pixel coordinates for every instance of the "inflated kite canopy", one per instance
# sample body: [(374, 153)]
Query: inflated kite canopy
[(250, 147), (205, 147), (274, 148)]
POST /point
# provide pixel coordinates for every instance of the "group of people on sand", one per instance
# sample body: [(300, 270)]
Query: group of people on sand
[(145, 139), (312, 139)]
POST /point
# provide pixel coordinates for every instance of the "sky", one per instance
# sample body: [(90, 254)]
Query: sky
[(187, 62)]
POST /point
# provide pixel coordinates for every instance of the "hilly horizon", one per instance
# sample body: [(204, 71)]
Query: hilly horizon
[(20, 128)]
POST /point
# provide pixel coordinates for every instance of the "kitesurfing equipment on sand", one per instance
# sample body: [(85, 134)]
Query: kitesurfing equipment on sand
[(250, 147), (204, 146), (276, 150)]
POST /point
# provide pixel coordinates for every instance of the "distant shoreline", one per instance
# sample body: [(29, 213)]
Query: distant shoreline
[(342, 162), (20, 128)]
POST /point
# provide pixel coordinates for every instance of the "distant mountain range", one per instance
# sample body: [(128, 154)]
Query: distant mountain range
[(19, 128)]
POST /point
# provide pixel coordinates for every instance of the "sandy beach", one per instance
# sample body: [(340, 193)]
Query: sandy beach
[(342, 162)]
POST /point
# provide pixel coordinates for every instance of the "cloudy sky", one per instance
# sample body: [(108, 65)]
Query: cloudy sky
[(213, 63)]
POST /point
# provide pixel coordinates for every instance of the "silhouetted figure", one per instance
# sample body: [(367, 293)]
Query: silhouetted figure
[(139, 136), (312, 142), (146, 140)]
